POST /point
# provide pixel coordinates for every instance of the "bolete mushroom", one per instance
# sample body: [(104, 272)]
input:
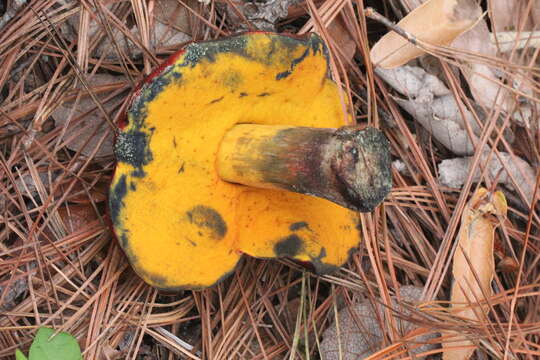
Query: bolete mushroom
[(213, 139)]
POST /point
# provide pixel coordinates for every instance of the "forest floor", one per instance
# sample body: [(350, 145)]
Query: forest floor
[(461, 118)]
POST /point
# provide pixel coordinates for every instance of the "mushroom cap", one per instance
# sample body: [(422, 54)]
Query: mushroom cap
[(181, 226)]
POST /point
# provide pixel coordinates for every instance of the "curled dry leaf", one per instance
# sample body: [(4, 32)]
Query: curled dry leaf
[(482, 79), (454, 172), (473, 264), (360, 334), (433, 105), (437, 22)]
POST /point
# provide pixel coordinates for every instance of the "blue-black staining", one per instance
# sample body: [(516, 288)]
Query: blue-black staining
[(124, 241), (196, 52), (232, 80), (205, 217), (182, 168), (320, 266), (176, 78), (139, 108), (283, 75), (289, 246), (138, 173), (217, 100), (132, 186), (156, 280), (116, 199), (298, 226), (133, 147), (294, 62), (317, 44)]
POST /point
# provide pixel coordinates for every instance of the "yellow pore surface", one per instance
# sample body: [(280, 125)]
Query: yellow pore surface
[(181, 225)]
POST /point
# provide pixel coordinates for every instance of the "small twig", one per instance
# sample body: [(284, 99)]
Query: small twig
[(374, 15)]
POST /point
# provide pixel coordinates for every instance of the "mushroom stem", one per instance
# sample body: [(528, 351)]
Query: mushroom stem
[(349, 166)]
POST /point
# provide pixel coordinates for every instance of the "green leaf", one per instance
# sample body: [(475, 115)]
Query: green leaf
[(61, 347), (19, 355)]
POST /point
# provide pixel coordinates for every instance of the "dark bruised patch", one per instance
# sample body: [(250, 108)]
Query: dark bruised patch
[(116, 199), (208, 218), (177, 78), (294, 62), (132, 147), (196, 287), (242, 94), (132, 186), (216, 100), (139, 107), (283, 75), (124, 241), (232, 80), (156, 280), (299, 225), (290, 246), (320, 266), (263, 94)]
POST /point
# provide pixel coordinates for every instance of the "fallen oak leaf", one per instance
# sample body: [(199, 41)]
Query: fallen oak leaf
[(436, 22), (473, 266)]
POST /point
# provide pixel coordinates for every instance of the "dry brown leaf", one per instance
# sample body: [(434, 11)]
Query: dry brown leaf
[(511, 171), (481, 78), (76, 217), (81, 195), (341, 34), (357, 333), (171, 27), (85, 125), (508, 265), (509, 15), (437, 22), (473, 266), (434, 106), (503, 13)]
